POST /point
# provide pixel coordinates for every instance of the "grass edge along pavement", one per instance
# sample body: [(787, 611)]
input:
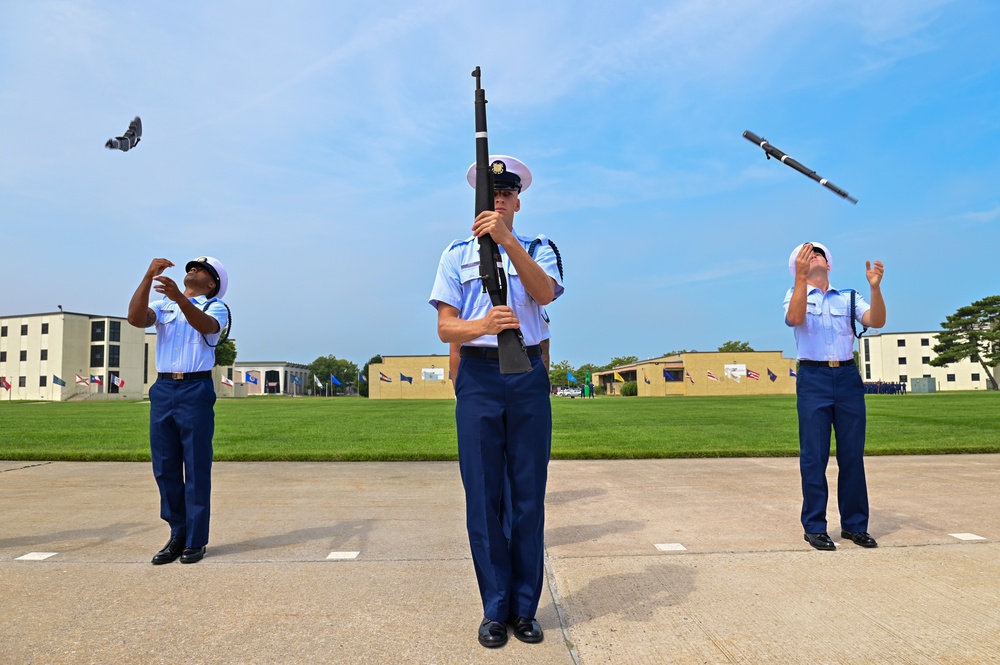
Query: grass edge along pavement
[(354, 429)]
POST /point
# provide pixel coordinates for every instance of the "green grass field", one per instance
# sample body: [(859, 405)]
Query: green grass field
[(342, 429)]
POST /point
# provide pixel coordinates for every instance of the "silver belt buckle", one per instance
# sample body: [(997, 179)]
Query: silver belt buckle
[(177, 376), (834, 363)]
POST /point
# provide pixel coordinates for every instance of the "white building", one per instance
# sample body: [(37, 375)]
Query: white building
[(37, 350), (902, 357), (273, 377)]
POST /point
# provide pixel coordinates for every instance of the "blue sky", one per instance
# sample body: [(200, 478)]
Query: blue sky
[(319, 150)]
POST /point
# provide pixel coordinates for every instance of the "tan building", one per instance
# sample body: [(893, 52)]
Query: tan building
[(38, 349), (411, 377), (718, 373), (903, 357)]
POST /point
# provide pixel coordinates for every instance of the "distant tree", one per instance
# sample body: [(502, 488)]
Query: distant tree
[(363, 387), (586, 370), (623, 360), (345, 371), (680, 352), (972, 332), (225, 353), (735, 345)]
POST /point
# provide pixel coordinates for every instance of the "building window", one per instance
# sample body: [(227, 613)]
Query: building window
[(24, 329), (229, 373), (115, 331), (97, 331), (45, 329), (924, 341), (926, 360), (97, 355), (868, 355), (3, 331), (45, 354), (114, 352), (902, 361), (22, 382), (42, 380), (3, 356), (24, 355), (900, 342), (868, 372), (975, 378), (951, 378), (902, 378)]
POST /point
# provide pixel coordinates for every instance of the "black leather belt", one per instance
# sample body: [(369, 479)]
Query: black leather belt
[(827, 363), (491, 353), (185, 376)]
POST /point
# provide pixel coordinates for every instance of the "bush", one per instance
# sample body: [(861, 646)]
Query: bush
[(630, 389)]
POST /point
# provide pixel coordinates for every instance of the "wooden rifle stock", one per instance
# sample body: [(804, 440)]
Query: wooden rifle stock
[(510, 343)]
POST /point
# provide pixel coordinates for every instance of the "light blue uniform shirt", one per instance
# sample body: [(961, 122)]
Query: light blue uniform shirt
[(827, 333), (179, 347), (458, 284)]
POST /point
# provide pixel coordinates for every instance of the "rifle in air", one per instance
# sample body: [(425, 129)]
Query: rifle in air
[(510, 343), (771, 151)]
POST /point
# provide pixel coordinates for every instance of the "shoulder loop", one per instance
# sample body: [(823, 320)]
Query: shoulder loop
[(533, 247), (229, 326)]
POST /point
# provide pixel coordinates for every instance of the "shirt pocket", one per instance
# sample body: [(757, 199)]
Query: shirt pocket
[(840, 318), (167, 315), (814, 316)]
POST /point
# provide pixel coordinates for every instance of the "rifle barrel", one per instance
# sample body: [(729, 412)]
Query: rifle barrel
[(785, 159)]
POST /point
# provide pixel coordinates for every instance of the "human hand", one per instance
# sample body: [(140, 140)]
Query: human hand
[(490, 222), (157, 266), (804, 260), (500, 318), (874, 274), (168, 287)]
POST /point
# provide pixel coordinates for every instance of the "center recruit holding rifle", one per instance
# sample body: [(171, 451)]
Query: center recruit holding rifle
[(510, 343)]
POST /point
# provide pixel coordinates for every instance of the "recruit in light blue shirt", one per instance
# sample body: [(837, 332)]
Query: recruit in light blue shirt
[(179, 347), (458, 284), (827, 333)]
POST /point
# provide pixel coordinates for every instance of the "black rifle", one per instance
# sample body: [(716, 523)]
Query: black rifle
[(771, 151), (510, 343)]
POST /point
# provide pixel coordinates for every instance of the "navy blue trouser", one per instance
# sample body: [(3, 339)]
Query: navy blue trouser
[(505, 431), (832, 396), (181, 426)]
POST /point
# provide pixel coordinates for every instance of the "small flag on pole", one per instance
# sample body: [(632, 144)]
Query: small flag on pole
[(570, 377), (771, 375), (791, 372), (4, 383), (56, 380), (361, 378), (316, 379), (96, 380), (334, 380), (644, 377), (403, 377), (688, 376), (711, 376), (227, 382), (618, 377), (383, 377), (250, 379), (118, 381), (753, 375), (81, 380)]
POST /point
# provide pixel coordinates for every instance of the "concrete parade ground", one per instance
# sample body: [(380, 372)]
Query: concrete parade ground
[(647, 561)]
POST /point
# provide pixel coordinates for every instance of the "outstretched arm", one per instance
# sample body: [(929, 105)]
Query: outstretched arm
[(139, 313), (875, 317)]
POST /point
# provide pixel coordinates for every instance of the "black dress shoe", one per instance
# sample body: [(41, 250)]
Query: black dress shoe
[(170, 551), (820, 541), (526, 630), (860, 538), (192, 554), (492, 634)]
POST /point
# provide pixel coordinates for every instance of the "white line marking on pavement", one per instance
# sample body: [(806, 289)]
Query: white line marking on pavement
[(966, 536), (343, 555), (670, 547), (36, 556)]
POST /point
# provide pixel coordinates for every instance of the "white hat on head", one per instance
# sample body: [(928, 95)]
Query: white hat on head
[(216, 270), (798, 248), (508, 173)]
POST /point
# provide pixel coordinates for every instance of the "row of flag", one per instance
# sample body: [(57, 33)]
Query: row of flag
[(95, 380)]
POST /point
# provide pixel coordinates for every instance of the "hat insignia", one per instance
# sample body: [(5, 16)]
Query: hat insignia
[(498, 167)]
